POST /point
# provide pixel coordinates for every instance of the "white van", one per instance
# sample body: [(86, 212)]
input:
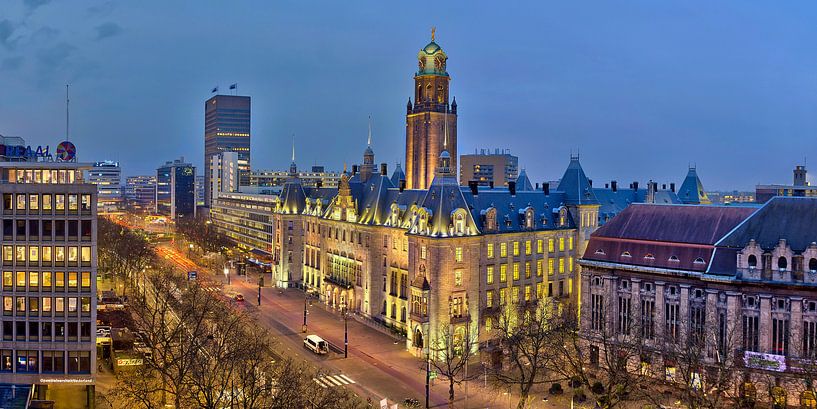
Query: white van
[(316, 344)]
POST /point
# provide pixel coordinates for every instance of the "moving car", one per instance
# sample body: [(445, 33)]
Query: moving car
[(238, 298), (316, 344)]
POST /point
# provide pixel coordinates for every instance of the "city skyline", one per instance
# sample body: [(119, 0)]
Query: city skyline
[(730, 90)]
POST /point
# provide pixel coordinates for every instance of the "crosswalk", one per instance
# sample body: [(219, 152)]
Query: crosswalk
[(211, 289), (328, 381)]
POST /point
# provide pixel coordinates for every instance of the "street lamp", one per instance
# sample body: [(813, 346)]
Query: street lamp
[(345, 328), (304, 326), (227, 275), (190, 253)]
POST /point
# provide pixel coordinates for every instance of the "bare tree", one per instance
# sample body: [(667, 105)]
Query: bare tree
[(605, 363), (123, 254), (294, 388), (526, 334), (449, 354)]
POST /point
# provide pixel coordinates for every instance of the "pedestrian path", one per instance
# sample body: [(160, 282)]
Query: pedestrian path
[(328, 381)]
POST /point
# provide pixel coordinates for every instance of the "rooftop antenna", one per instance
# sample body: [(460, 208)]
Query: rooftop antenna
[(67, 101)]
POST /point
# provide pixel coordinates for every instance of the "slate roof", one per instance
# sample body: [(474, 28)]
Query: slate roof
[(523, 183), (692, 190), (790, 218), (612, 203), (575, 185), (666, 236), (397, 176)]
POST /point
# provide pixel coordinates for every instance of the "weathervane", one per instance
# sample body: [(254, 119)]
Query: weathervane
[(433, 29)]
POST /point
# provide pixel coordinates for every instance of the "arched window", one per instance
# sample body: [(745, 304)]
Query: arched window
[(384, 308), (459, 222), (674, 259), (752, 261), (699, 261), (600, 252), (626, 254), (403, 314), (649, 256), (782, 263), (812, 264), (440, 95), (529, 218)]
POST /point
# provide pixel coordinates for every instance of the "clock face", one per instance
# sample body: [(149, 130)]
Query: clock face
[(439, 63)]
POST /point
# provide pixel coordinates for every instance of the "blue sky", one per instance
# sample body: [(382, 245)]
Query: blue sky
[(641, 88)]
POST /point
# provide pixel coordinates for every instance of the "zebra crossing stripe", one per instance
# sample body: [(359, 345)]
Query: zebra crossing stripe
[(333, 380), (346, 378)]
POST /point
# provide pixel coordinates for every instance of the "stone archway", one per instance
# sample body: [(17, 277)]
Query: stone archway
[(417, 340)]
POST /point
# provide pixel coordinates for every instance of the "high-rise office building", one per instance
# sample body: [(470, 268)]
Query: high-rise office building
[(431, 123), (226, 129), (224, 174), (107, 176), (176, 189), (488, 168), (49, 274), (140, 192), (200, 190)]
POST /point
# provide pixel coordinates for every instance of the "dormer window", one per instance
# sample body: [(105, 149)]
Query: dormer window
[(782, 263), (490, 219), (597, 281), (648, 287), (529, 222), (699, 293), (699, 261), (626, 254), (812, 265), (649, 257), (674, 259), (459, 222), (625, 284), (752, 262), (600, 252)]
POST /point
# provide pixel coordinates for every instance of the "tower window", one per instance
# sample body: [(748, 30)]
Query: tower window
[(752, 261), (782, 263)]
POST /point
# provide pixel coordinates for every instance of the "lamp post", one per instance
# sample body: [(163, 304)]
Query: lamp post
[(345, 328), (190, 252), (227, 274), (260, 284), (428, 369), (305, 300)]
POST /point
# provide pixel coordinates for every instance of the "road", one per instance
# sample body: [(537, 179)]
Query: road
[(377, 367)]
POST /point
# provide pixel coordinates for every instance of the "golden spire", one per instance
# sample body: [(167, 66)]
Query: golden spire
[(433, 29)]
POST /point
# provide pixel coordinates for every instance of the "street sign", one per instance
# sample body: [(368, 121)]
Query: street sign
[(191, 275)]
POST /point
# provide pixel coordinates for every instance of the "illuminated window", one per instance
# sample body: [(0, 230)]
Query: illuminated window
[(561, 244), (21, 253), (33, 253), (570, 243), (73, 255), (489, 298), (8, 279), (46, 253), (490, 250), (570, 264), (33, 279), (516, 248), (423, 252), (503, 249), (527, 269), (528, 248), (21, 280), (8, 253), (527, 293), (550, 246), (458, 254), (561, 265), (539, 268), (540, 246), (503, 273), (516, 271), (502, 296), (59, 254), (72, 279), (86, 254), (488, 323), (515, 295), (489, 278), (457, 278), (550, 266), (86, 279)]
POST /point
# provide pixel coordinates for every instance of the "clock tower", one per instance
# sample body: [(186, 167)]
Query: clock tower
[(427, 133)]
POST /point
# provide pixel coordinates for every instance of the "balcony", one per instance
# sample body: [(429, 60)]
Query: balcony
[(338, 282), (418, 317)]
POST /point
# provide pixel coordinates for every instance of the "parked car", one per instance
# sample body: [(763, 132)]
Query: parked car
[(316, 344), (238, 298)]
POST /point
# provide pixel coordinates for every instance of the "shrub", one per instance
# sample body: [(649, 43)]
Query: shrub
[(556, 389)]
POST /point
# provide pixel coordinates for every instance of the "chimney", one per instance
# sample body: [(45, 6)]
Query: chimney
[(537, 185), (402, 184), (491, 184), (354, 170), (635, 186), (651, 192), (384, 169), (512, 187), (663, 186), (546, 188), (474, 185), (672, 187), (614, 185), (606, 185)]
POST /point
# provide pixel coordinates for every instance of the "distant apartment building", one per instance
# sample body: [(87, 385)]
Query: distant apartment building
[(176, 189), (226, 129), (799, 188), (200, 189), (224, 174), (140, 192), (734, 196), (317, 176), (49, 274), (107, 176), (489, 169)]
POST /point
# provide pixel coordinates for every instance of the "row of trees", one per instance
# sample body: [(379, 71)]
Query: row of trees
[(203, 353), (542, 349), (206, 354)]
